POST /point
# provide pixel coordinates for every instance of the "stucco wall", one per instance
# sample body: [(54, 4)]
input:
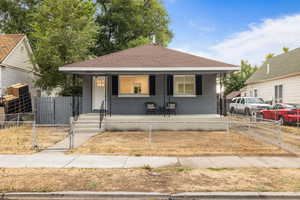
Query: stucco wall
[(204, 104)]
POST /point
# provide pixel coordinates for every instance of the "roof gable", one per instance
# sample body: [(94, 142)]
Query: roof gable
[(149, 56), (7, 43), (279, 66)]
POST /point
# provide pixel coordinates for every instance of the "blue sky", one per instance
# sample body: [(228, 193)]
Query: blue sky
[(231, 30)]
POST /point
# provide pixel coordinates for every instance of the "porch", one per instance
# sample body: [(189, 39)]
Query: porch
[(89, 122), (192, 93)]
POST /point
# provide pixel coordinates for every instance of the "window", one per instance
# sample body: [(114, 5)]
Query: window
[(251, 93), (137, 85), (184, 85), (255, 93), (278, 93)]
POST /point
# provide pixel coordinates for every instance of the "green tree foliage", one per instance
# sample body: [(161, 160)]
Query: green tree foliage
[(236, 80), (63, 32), (270, 55), (15, 15), (285, 49), (129, 23)]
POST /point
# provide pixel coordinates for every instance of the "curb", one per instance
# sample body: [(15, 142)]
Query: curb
[(84, 195), (151, 195), (237, 195)]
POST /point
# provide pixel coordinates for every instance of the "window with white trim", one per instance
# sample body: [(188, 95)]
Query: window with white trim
[(278, 93), (184, 85), (134, 85)]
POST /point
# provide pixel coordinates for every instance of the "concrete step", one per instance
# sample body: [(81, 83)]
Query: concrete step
[(83, 125), (87, 130)]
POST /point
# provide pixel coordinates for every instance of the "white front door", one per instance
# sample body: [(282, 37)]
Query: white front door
[(98, 91)]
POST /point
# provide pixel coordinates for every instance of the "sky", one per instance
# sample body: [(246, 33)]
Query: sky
[(232, 30)]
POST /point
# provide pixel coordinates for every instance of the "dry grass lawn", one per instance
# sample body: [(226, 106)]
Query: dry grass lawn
[(19, 140), (291, 129), (176, 143), (156, 180)]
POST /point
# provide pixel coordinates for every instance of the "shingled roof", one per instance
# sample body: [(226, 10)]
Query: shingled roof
[(149, 56), (279, 66), (8, 43)]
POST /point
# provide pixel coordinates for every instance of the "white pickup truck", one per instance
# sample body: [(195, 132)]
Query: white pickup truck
[(247, 105)]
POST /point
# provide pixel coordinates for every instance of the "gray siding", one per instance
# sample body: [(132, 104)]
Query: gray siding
[(204, 104)]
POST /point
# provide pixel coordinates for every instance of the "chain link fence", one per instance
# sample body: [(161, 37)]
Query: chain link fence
[(232, 135), (267, 131), (21, 132)]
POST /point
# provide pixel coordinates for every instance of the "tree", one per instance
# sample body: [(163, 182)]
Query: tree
[(15, 16), (63, 32), (285, 49), (270, 55), (236, 80), (129, 23)]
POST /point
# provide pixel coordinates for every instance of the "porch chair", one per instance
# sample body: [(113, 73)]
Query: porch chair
[(151, 108), (171, 108)]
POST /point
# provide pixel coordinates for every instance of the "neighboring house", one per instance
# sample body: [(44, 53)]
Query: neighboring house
[(126, 80), (15, 61), (278, 80)]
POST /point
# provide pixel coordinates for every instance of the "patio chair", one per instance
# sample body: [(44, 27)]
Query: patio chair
[(171, 108), (151, 108)]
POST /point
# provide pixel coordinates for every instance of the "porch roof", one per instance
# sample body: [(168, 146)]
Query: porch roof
[(148, 58)]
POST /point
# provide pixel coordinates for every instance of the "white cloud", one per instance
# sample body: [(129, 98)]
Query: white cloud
[(254, 44)]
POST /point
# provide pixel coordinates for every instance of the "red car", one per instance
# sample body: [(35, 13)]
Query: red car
[(284, 113)]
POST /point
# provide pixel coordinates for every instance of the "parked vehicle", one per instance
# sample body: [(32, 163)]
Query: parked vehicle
[(284, 113), (247, 105)]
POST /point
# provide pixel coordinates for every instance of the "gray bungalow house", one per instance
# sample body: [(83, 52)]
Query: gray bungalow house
[(126, 80)]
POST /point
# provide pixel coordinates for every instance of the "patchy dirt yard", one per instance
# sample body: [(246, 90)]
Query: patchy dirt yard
[(150, 180), (176, 143), (291, 129), (19, 140)]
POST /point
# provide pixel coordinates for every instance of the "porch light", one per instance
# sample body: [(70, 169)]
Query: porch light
[(100, 83)]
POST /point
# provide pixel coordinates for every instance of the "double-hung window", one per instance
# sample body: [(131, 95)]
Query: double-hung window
[(278, 93), (255, 93), (184, 85)]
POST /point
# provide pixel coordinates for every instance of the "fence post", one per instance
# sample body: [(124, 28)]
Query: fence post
[(71, 133), (228, 124), (279, 134), (34, 139), (18, 119), (150, 135)]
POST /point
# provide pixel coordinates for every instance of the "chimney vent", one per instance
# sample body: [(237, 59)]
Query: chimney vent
[(268, 68)]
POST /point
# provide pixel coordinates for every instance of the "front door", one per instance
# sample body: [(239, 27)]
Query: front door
[(98, 92)]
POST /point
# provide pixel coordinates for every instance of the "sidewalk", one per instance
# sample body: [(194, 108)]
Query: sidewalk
[(59, 160)]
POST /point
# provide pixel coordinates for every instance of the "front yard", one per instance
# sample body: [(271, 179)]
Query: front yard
[(171, 180), (176, 143), (18, 140)]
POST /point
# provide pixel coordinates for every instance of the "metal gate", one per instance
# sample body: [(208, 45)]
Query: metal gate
[(57, 110)]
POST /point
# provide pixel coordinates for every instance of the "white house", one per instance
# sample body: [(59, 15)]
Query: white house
[(278, 80), (15, 61)]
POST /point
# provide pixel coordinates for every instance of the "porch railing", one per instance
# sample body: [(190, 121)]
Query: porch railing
[(102, 112)]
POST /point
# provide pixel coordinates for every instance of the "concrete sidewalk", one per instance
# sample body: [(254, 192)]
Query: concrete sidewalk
[(93, 161), (152, 195)]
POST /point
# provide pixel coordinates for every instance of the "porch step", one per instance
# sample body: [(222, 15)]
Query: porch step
[(87, 130)]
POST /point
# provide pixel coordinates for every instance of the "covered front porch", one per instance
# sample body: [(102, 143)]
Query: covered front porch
[(129, 94)]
